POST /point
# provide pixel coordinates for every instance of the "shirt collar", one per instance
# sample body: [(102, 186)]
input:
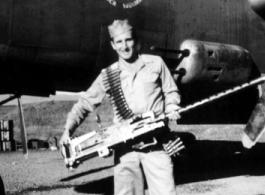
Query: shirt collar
[(139, 63)]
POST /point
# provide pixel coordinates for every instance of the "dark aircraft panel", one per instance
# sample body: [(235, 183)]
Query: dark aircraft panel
[(214, 21), (5, 17), (61, 45), (76, 25)]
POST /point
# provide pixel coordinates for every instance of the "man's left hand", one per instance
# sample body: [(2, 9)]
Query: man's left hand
[(174, 115)]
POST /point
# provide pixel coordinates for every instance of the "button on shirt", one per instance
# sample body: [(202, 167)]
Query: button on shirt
[(147, 86)]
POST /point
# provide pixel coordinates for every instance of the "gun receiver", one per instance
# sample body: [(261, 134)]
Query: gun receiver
[(102, 142)]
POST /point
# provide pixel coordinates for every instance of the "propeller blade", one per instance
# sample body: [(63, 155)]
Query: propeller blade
[(256, 124)]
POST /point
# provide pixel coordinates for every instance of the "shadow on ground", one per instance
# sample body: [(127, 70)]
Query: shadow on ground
[(84, 173), (203, 160), (103, 186), (207, 160)]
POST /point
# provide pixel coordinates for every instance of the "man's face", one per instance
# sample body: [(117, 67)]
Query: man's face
[(124, 45)]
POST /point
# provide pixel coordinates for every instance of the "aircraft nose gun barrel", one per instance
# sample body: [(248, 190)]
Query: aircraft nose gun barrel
[(184, 52)]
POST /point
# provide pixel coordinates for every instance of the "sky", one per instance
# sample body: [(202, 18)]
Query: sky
[(31, 99)]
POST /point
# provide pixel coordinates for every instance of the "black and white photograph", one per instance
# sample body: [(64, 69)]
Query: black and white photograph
[(132, 97)]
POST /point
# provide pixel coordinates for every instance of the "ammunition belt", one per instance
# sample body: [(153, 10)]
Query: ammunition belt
[(112, 83)]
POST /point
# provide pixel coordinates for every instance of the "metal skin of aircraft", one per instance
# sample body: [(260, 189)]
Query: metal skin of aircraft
[(61, 45), (54, 45)]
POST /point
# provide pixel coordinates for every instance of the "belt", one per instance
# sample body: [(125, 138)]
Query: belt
[(148, 143), (119, 152)]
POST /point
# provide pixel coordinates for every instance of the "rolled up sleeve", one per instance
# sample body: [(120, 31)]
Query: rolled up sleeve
[(170, 90), (87, 103)]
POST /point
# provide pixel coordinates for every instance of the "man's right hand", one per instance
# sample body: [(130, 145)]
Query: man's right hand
[(65, 137), (64, 141)]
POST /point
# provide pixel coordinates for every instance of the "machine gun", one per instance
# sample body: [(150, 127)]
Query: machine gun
[(100, 143)]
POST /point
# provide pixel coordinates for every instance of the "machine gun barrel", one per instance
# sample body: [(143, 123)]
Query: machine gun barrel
[(224, 93), (98, 144)]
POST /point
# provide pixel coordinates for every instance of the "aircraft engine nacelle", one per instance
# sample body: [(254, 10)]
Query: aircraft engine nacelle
[(214, 63), (210, 69), (258, 6)]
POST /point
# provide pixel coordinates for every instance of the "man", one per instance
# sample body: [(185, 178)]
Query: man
[(147, 85)]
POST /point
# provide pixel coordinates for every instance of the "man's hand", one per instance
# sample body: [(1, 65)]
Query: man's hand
[(174, 115), (64, 141), (65, 137), (172, 147)]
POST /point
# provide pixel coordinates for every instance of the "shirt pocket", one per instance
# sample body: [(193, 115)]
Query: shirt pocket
[(151, 78), (151, 84)]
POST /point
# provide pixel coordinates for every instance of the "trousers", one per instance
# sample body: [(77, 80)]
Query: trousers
[(135, 166)]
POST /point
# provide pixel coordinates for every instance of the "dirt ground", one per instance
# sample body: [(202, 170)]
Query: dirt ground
[(214, 164)]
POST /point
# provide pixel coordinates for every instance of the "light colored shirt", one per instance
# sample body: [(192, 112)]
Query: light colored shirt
[(147, 86)]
